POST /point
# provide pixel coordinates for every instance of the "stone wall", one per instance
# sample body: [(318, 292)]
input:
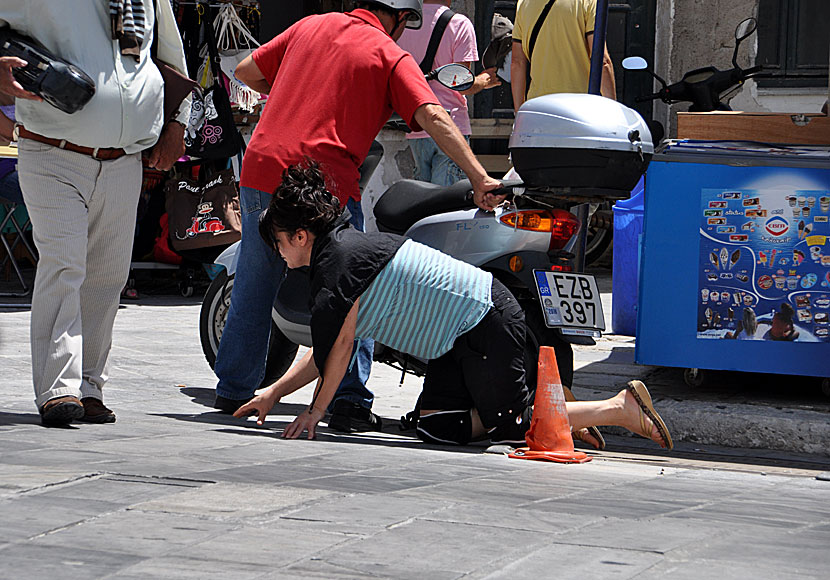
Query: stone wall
[(698, 33)]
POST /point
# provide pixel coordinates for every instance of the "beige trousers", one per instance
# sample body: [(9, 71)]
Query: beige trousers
[(83, 215)]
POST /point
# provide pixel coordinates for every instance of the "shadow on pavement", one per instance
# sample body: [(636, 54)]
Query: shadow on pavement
[(273, 428), (200, 395), (7, 419)]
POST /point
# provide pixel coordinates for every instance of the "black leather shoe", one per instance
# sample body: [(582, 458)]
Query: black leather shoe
[(349, 417), (61, 411), (228, 406), (96, 412)]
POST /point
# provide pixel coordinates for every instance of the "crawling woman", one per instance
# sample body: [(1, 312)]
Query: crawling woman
[(422, 302)]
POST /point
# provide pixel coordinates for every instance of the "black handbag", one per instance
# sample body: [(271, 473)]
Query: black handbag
[(211, 133)]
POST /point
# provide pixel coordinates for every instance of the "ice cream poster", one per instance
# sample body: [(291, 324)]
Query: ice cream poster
[(764, 267)]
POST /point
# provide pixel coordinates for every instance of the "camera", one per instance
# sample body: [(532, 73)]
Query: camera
[(58, 82)]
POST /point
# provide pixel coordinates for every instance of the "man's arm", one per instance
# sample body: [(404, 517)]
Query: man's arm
[(438, 124), (296, 378), (170, 145), (486, 80), (6, 129), (248, 72), (168, 148), (336, 365), (608, 85), (518, 74)]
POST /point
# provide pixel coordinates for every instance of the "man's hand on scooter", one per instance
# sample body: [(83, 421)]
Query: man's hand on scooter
[(485, 200)]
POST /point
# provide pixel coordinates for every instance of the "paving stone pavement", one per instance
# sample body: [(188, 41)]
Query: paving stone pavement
[(176, 490)]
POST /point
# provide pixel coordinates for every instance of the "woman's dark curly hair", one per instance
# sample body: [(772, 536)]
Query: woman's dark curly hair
[(301, 201)]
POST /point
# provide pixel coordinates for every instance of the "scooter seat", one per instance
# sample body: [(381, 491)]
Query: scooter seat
[(408, 201)]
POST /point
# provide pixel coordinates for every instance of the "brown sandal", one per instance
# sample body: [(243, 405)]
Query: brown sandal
[(640, 393)]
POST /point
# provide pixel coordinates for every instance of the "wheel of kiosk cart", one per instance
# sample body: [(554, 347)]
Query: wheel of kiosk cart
[(695, 377), (214, 312), (825, 386)]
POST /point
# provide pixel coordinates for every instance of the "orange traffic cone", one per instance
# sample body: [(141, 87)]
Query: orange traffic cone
[(549, 437)]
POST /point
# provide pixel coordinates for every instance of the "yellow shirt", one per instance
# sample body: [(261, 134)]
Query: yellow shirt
[(560, 61)]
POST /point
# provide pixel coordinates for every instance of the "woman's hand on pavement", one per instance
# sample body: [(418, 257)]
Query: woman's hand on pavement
[(259, 405), (305, 421)]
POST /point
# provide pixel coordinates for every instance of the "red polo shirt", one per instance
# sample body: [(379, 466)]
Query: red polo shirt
[(336, 78)]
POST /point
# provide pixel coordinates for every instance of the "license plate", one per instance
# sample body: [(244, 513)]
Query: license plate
[(570, 301)]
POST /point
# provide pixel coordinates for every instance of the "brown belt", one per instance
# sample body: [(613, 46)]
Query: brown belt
[(101, 153)]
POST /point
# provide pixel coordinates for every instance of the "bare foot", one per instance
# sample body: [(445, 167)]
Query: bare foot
[(585, 436), (635, 420)]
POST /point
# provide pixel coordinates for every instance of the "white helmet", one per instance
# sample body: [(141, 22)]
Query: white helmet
[(415, 9)]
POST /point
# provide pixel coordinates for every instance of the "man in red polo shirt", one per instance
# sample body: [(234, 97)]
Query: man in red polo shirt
[(332, 81)]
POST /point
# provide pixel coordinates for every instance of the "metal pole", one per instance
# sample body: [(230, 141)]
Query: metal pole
[(598, 49), (594, 83)]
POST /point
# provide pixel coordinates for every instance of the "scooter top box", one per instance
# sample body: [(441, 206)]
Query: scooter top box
[(580, 141)]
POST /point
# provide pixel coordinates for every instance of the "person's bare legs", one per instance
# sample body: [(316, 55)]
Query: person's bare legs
[(621, 410)]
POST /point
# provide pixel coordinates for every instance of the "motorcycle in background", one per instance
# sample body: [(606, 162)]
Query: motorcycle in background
[(706, 88)]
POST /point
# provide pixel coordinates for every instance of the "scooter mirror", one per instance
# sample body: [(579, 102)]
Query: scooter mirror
[(745, 29), (453, 76), (635, 63), (639, 63)]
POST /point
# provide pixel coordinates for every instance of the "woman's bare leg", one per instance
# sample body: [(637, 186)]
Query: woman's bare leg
[(621, 410)]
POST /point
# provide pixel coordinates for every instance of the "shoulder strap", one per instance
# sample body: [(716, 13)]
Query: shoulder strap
[(435, 40), (154, 48), (213, 50), (537, 27)]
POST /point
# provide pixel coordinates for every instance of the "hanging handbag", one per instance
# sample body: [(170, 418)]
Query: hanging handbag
[(203, 212), (235, 43), (211, 132), (177, 86)]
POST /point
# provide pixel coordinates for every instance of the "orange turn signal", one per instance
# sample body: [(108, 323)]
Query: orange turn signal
[(537, 220), (516, 264)]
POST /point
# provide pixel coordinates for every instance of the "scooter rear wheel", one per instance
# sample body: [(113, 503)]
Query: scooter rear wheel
[(214, 312)]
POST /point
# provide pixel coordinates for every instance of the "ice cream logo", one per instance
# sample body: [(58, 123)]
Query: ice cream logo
[(777, 226)]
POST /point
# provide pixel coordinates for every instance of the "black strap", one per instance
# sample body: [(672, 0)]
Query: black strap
[(154, 48), (435, 40), (213, 49), (537, 27)]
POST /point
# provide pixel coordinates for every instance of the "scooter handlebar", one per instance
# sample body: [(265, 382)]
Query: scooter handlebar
[(646, 98), (507, 187)]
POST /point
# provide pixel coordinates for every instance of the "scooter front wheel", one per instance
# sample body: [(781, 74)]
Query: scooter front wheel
[(212, 317)]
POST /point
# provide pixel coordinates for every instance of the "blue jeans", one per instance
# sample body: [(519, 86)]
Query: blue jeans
[(432, 164), (243, 350), (10, 188)]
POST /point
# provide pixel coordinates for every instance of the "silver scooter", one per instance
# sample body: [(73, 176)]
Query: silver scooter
[(531, 243)]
